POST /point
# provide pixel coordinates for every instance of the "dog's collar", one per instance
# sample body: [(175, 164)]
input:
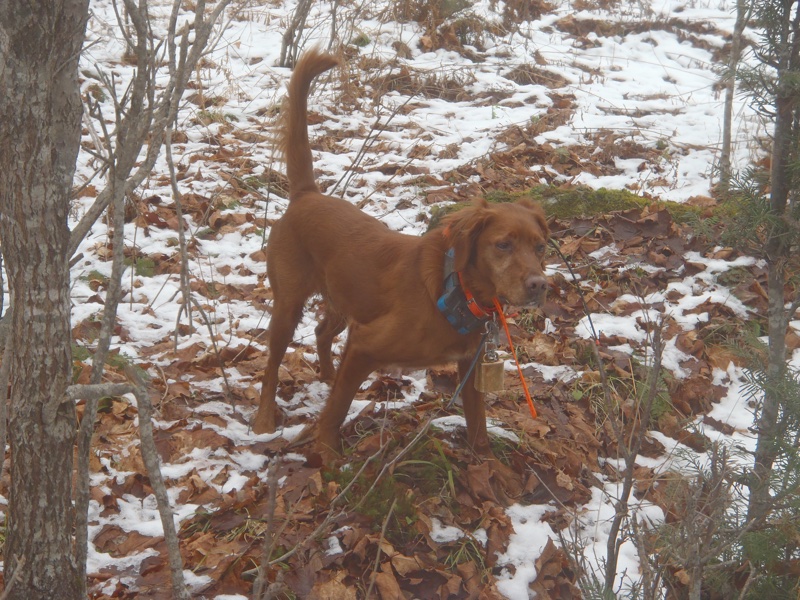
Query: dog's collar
[(457, 304)]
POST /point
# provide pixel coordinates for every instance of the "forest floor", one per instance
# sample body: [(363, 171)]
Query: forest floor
[(560, 102)]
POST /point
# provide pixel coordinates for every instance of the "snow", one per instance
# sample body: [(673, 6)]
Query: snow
[(444, 534), (649, 86), (526, 544)]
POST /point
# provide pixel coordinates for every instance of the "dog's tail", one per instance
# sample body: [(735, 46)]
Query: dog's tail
[(294, 139)]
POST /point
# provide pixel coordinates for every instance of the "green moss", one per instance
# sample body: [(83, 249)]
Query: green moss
[(256, 182), (143, 266), (684, 213), (734, 276), (662, 405), (206, 117), (568, 203), (80, 353), (118, 361), (361, 40), (576, 202)]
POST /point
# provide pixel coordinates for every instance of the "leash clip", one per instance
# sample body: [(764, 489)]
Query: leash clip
[(492, 332)]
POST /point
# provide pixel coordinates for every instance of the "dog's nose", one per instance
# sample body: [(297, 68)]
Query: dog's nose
[(536, 284)]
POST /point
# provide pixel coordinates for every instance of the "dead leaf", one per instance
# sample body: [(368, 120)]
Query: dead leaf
[(333, 589), (387, 585)]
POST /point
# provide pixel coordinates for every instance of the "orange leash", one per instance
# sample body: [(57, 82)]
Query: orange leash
[(499, 310)]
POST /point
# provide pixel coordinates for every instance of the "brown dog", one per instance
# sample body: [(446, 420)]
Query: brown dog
[(386, 286)]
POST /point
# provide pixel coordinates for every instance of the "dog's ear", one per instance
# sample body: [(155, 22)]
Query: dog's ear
[(462, 230), (538, 215)]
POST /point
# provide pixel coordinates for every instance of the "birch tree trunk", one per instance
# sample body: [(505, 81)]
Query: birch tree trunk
[(40, 43)]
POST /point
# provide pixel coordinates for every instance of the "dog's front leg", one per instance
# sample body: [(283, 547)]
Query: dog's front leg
[(474, 411), (478, 438)]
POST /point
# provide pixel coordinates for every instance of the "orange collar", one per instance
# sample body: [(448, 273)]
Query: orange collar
[(457, 304), (478, 311)]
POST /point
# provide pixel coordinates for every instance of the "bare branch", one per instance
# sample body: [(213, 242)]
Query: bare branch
[(17, 574), (86, 431), (260, 587), (621, 508), (141, 117), (152, 462), (178, 199), (377, 564), (6, 342), (97, 391)]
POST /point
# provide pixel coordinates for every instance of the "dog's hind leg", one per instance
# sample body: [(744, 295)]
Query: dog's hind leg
[(291, 287), (331, 325), (284, 320)]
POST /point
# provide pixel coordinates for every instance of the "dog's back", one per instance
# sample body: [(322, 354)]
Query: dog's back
[(323, 244)]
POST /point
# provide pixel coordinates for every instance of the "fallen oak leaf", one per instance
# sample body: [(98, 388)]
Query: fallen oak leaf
[(386, 583), (334, 589)]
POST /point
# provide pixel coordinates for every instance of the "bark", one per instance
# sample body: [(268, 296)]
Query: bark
[(742, 18), (40, 43), (777, 249)]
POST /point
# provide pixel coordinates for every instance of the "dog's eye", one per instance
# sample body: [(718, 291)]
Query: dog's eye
[(503, 246), (540, 249)]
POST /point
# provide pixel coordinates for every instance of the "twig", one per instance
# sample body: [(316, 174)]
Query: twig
[(5, 372), (99, 390), (290, 45), (140, 118), (17, 573), (372, 137), (331, 516), (752, 577), (151, 462), (390, 465), (651, 578), (147, 117), (260, 588), (177, 198), (378, 553), (621, 505), (98, 366), (207, 321), (792, 309)]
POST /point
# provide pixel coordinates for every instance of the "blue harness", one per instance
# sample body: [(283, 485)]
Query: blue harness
[(459, 308)]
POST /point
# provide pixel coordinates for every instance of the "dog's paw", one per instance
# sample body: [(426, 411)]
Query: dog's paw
[(264, 423)]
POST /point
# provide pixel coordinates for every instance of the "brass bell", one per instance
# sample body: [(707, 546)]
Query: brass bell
[(489, 373)]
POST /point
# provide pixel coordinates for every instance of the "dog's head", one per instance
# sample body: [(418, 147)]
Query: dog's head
[(499, 249)]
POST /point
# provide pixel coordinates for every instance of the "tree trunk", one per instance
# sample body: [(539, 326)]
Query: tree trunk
[(725, 168), (40, 43), (777, 251)]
